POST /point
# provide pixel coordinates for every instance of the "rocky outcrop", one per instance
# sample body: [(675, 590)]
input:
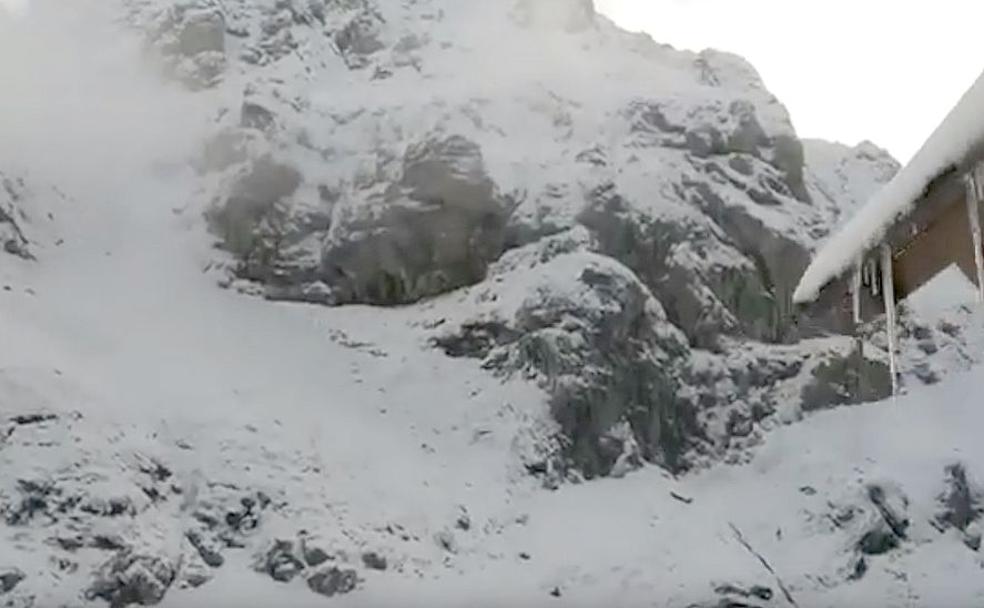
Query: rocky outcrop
[(28, 211), (191, 38), (846, 378), (590, 332), (959, 505), (625, 386), (435, 230), (13, 239), (10, 578), (129, 579)]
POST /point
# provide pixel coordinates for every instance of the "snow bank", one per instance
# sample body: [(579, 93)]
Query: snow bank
[(949, 145)]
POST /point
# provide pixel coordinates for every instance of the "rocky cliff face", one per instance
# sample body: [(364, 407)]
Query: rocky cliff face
[(371, 153)]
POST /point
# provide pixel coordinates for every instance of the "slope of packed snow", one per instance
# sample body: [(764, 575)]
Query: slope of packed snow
[(959, 135), (165, 441), (369, 441)]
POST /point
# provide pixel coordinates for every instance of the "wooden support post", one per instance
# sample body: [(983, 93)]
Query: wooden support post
[(888, 290), (974, 196)]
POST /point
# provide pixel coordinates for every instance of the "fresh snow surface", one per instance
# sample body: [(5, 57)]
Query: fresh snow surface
[(369, 427), (947, 146)]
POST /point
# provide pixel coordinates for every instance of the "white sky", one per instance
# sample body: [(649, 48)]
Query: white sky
[(13, 5), (848, 70)]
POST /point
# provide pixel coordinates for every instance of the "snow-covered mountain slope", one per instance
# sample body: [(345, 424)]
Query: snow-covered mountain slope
[(597, 290), (843, 178), (383, 153)]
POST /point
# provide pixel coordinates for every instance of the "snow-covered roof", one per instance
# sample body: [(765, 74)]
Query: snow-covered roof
[(953, 143)]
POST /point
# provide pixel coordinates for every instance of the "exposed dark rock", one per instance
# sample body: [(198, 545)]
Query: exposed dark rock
[(878, 540), (111, 507), (10, 578), (960, 506), (437, 230), (37, 498), (463, 522), (960, 503), (374, 561), (859, 569), (26, 419), (193, 576), (206, 550), (846, 380), (280, 562), (252, 115), (887, 526), (778, 262), (476, 339), (445, 540), (333, 581), (359, 39), (252, 199), (129, 578), (313, 555), (892, 505), (12, 236), (107, 542), (755, 592), (646, 246), (606, 354)]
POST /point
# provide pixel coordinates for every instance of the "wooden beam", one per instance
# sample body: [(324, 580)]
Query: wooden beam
[(943, 243)]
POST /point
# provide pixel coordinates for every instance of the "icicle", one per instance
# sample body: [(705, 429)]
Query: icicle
[(874, 278), (974, 187), (888, 288), (856, 291)]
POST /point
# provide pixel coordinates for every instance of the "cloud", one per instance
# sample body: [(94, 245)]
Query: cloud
[(16, 7), (80, 102)]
